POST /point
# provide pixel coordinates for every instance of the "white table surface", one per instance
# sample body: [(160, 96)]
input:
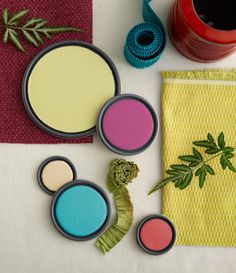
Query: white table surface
[(29, 243)]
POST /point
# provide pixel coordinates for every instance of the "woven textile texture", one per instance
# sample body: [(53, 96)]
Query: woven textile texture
[(15, 125), (196, 103)]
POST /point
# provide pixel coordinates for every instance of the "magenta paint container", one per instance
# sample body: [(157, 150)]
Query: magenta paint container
[(127, 124)]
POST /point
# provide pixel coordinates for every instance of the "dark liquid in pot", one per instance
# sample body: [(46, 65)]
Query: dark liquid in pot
[(219, 14)]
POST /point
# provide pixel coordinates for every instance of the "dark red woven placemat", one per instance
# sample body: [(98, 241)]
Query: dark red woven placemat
[(15, 125)]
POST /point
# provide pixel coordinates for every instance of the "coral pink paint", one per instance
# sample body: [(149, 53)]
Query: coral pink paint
[(128, 124), (156, 234)]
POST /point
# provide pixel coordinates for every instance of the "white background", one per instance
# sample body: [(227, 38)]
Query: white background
[(29, 243)]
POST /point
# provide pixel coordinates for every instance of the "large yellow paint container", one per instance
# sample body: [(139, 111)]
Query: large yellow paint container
[(65, 87)]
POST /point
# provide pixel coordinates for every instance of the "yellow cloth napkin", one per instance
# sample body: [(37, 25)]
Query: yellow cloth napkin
[(195, 103)]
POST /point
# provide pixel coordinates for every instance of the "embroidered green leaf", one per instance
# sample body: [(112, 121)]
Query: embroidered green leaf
[(18, 16), (38, 37), (47, 35), (60, 29), (182, 174), (5, 16), (14, 38), (6, 36), (173, 172), (198, 171), (161, 184), (187, 158), (228, 149), (210, 138), (229, 164), (180, 167), (195, 163), (34, 30), (186, 180), (204, 143), (212, 151), (209, 169), (202, 179), (33, 21), (221, 140), (229, 155), (231, 167), (201, 172), (179, 182), (41, 24), (197, 154), (223, 162), (30, 38)]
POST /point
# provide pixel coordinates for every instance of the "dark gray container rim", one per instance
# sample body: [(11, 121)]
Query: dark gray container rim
[(57, 195), (139, 241), (44, 164), (100, 124), (31, 66)]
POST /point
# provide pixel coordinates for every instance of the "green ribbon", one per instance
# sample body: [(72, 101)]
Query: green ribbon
[(120, 174)]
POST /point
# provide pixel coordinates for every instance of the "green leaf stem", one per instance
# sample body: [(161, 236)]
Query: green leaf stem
[(34, 30), (182, 174)]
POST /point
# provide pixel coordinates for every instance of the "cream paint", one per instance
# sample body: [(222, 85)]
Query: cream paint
[(56, 173), (68, 86)]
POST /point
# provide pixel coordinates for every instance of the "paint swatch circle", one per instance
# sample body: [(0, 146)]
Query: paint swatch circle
[(55, 172), (127, 124), (80, 210), (156, 234), (65, 87)]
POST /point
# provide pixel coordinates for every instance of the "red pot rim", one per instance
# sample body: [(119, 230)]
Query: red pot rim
[(203, 30)]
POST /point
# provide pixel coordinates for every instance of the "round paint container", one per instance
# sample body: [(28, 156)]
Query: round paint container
[(55, 172), (66, 85), (127, 124), (80, 210), (204, 31), (156, 234)]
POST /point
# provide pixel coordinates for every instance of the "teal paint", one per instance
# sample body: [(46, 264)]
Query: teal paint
[(81, 210)]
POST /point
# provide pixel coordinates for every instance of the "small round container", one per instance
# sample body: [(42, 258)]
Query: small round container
[(156, 234), (204, 31), (80, 210), (127, 124), (54, 172), (65, 86)]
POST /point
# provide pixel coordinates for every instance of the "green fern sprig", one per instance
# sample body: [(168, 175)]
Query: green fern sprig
[(34, 30), (182, 174)]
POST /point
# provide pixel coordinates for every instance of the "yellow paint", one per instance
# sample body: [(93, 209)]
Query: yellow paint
[(68, 87)]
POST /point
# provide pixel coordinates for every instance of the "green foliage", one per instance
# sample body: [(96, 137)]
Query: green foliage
[(182, 174), (34, 30)]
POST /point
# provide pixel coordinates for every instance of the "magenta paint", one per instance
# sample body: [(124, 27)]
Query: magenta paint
[(128, 124)]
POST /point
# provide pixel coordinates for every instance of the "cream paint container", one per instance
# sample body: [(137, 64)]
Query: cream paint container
[(54, 172), (66, 85)]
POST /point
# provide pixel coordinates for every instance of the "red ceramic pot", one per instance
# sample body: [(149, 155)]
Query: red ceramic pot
[(196, 36)]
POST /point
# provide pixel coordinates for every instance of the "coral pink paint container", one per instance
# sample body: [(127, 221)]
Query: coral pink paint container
[(203, 30), (127, 124), (156, 234)]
